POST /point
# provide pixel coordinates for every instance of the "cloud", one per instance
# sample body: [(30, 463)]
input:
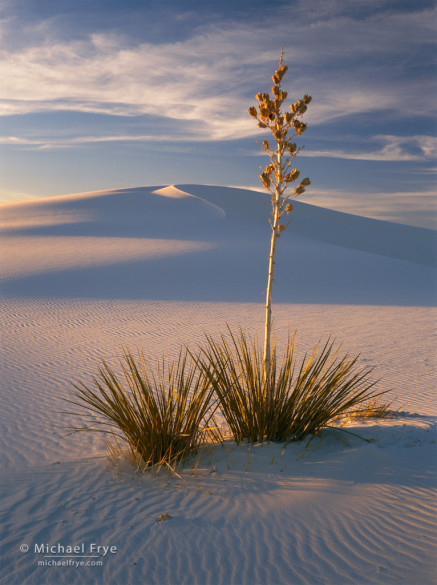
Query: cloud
[(206, 82), (409, 207), (100, 76), (69, 142), (395, 148)]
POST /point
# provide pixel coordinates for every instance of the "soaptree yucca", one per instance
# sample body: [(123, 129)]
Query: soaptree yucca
[(163, 414), (305, 395), (279, 177)]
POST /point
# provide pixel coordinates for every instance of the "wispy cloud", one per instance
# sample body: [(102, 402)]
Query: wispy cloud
[(409, 207), (206, 81), (68, 142), (395, 148), (97, 76)]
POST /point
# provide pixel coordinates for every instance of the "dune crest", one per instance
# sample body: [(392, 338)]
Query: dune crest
[(174, 193)]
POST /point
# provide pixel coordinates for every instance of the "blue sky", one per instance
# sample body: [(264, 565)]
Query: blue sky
[(100, 94)]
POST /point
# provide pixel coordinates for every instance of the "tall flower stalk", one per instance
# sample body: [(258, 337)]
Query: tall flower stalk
[(279, 175)]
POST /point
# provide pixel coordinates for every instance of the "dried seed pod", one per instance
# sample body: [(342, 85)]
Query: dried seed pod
[(299, 126), (292, 175), (264, 112), (265, 179)]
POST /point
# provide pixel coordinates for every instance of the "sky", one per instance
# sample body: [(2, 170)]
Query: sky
[(102, 94)]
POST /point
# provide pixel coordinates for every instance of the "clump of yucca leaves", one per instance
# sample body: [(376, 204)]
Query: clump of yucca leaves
[(296, 401), (163, 415)]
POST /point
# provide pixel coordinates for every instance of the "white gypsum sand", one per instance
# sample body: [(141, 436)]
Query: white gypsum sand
[(84, 275)]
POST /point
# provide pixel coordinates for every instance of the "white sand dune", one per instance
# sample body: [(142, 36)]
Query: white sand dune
[(154, 267), (137, 243)]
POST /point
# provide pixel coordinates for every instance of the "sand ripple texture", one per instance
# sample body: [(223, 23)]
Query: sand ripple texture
[(244, 516), (345, 512)]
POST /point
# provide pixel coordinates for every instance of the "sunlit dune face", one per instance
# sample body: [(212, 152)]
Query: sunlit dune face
[(22, 256), (22, 215), (14, 223)]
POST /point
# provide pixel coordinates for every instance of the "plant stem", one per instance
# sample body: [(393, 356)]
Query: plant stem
[(275, 232)]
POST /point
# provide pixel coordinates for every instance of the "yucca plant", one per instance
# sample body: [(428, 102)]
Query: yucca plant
[(163, 415), (279, 176), (296, 401)]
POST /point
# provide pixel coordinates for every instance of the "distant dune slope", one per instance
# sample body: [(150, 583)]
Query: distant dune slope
[(197, 242), (351, 231)]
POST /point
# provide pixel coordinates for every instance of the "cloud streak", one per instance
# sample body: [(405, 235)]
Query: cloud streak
[(409, 207), (206, 82), (396, 148)]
